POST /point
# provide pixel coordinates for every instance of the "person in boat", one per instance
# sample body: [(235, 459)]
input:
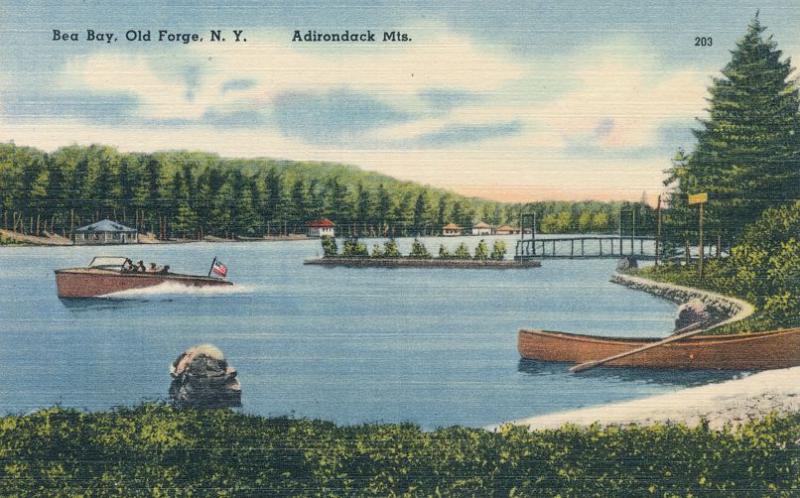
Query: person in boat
[(140, 266), (165, 270), (153, 268), (127, 266)]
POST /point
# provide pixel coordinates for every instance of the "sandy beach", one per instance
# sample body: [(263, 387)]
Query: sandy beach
[(731, 402)]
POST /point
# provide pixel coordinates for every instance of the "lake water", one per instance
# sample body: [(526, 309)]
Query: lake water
[(432, 346)]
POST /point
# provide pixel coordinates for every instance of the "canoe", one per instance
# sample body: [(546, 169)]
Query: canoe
[(759, 351)]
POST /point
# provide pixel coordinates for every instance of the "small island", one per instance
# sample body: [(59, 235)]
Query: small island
[(387, 255)]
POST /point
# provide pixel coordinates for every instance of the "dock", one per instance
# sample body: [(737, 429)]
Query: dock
[(588, 247)]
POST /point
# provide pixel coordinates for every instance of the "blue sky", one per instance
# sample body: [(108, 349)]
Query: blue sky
[(506, 100)]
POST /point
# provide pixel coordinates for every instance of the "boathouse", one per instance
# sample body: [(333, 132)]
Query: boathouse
[(105, 232), (482, 228), (451, 230), (321, 228)]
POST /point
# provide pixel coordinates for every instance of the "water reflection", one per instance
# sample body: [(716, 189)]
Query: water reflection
[(658, 376), (102, 303)]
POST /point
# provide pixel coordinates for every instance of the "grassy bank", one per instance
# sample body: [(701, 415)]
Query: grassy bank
[(153, 450), (759, 321)]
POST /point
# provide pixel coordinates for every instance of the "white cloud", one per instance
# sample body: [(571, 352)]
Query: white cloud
[(618, 98), (394, 73), (624, 92)]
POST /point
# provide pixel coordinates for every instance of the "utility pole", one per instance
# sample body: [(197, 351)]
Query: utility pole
[(658, 226)]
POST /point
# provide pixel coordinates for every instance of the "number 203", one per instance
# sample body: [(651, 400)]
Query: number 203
[(702, 41)]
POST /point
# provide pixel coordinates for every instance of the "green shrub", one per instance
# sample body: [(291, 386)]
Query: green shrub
[(354, 249), (498, 250), (482, 251), (462, 252), (329, 247), (390, 249), (419, 251), (377, 251), (155, 450), (444, 253)]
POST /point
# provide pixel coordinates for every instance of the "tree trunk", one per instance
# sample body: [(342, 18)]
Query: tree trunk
[(687, 254)]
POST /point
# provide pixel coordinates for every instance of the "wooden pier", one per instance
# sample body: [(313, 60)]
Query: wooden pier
[(589, 247)]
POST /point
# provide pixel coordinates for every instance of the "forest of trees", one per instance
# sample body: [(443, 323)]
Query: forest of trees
[(179, 194)]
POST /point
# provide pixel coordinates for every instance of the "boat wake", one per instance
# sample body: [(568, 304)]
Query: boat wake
[(173, 289)]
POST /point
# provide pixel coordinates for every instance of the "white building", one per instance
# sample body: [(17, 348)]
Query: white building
[(105, 232), (506, 230), (481, 228), (451, 230), (321, 228)]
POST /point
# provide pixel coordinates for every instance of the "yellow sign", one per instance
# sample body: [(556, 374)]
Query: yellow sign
[(698, 198)]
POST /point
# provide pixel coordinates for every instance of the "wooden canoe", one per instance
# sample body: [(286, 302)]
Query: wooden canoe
[(759, 351)]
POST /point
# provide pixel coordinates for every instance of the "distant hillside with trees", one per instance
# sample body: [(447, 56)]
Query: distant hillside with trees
[(180, 194)]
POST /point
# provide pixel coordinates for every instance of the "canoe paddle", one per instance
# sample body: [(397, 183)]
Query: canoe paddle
[(683, 333)]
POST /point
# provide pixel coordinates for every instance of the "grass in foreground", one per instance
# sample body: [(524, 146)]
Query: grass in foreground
[(153, 450)]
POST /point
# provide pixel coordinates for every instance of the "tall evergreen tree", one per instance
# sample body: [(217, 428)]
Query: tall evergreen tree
[(420, 211), (363, 216), (384, 208), (299, 202), (273, 186), (441, 213), (747, 155)]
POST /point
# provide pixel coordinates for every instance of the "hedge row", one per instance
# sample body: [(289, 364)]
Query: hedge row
[(153, 450)]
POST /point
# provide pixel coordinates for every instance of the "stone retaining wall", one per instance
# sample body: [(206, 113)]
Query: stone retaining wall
[(727, 309)]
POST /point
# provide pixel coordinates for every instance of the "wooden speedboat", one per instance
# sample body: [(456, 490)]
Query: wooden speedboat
[(758, 351), (106, 275)]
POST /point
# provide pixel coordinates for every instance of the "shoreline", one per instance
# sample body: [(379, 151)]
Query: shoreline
[(22, 240), (732, 402), (732, 308)]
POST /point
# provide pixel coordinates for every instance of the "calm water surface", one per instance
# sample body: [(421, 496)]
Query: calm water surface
[(436, 347)]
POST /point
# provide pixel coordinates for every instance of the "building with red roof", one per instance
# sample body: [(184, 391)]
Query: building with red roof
[(321, 228)]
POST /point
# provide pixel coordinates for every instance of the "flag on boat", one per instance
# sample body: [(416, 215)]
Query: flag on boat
[(219, 268)]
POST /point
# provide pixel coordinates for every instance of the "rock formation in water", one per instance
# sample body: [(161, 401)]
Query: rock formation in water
[(694, 311), (627, 263), (201, 378)]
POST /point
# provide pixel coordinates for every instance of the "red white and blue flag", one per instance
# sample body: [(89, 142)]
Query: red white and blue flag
[(219, 268)]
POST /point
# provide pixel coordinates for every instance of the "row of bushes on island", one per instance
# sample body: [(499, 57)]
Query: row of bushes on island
[(154, 450), (352, 248)]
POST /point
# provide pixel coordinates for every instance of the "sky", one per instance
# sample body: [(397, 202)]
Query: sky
[(506, 100)]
